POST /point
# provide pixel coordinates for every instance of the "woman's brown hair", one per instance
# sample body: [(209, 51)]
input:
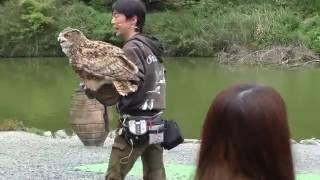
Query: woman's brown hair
[(246, 136)]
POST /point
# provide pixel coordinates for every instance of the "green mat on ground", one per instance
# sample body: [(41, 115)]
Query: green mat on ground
[(173, 171)]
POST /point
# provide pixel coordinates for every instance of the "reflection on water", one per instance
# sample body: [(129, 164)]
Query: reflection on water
[(38, 92)]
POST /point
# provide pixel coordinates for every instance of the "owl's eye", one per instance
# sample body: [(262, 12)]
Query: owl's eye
[(66, 35)]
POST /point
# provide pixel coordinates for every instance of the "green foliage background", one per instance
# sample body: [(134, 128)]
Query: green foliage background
[(187, 27)]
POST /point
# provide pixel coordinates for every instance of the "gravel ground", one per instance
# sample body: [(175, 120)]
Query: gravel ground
[(30, 156)]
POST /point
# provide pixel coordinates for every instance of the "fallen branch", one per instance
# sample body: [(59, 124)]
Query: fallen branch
[(303, 64)]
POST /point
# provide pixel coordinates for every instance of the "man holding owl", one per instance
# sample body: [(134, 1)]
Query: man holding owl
[(146, 103), (133, 77)]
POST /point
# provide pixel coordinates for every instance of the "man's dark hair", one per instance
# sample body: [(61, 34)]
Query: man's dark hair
[(131, 8)]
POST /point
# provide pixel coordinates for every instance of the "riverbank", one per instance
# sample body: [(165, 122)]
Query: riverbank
[(29, 156), (284, 56)]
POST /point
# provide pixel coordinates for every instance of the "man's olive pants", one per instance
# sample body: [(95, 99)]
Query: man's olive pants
[(121, 161)]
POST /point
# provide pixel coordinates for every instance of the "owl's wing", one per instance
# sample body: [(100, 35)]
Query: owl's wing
[(108, 60)]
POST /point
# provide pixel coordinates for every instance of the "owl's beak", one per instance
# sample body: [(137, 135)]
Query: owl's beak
[(61, 39)]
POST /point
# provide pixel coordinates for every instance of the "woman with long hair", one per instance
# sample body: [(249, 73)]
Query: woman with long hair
[(245, 136)]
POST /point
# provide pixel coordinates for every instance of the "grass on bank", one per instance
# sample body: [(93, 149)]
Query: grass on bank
[(15, 125)]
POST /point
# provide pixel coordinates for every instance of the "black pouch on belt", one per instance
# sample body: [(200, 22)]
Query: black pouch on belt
[(172, 135)]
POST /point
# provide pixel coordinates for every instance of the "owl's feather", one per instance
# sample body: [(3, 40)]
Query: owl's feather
[(98, 62), (111, 63)]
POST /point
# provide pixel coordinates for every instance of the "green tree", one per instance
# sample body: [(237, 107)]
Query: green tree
[(36, 18)]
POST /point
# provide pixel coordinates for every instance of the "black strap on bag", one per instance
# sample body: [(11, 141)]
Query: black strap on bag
[(172, 135)]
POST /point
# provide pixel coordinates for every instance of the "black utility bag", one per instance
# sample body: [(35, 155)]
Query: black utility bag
[(172, 135)]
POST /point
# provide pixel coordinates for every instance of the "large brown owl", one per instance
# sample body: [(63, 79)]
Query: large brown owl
[(98, 63)]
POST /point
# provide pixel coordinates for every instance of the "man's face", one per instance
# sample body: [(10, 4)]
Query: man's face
[(122, 25)]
